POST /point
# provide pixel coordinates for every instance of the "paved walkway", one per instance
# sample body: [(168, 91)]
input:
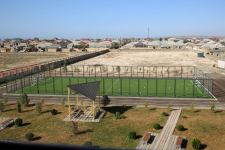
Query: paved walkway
[(165, 140)]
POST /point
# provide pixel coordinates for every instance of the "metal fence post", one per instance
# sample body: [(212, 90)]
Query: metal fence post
[(138, 87), (53, 78), (129, 86), (175, 84), (156, 86), (193, 81), (112, 86), (103, 89), (184, 88), (165, 87), (147, 87), (61, 80), (121, 87), (45, 82), (38, 84)]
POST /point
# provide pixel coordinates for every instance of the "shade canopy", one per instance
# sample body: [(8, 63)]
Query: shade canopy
[(87, 89)]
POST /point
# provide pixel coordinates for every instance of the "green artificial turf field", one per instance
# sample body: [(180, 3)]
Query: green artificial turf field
[(136, 87)]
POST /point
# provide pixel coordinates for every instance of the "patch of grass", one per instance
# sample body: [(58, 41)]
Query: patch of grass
[(207, 126), (109, 132)]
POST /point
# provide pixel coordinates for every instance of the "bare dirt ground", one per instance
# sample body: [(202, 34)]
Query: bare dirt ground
[(153, 58), (11, 60)]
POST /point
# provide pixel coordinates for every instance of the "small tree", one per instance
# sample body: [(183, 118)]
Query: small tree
[(170, 106), (115, 45), (18, 122), (65, 66), (165, 114), (74, 127), (5, 100), (213, 108), (118, 115), (54, 111), (88, 144), (42, 101), (63, 101), (105, 100), (29, 136), (2, 106), (132, 135), (24, 99), (192, 107), (18, 107), (180, 127), (38, 107), (196, 144), (118, 68), (157, 126)]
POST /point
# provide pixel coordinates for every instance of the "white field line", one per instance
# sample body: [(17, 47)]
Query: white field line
[(200, 84)]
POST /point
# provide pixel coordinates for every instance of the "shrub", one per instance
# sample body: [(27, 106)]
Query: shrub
[(152, 108), (157, 126), (180, 127), (118, 115), (118, 68), (213, 108), (74, 127), (88, 144), (115, 45), (63, 101), (42, 101), (24, 99), (146, 105), (105, 100), (196, 144), (65, 66), (54, 111), (5, 100), (192, 107), (29, 136), (170, 106), (165, 114), (2, 106), (18, 107), (18, 122), (38, 107), (132, 135)]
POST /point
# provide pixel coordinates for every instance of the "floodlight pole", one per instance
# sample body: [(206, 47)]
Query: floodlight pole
[(69, 103)]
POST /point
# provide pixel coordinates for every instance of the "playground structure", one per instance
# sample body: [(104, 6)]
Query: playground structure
[(89, 112)]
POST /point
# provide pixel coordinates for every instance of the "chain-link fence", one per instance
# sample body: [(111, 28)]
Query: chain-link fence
[(152, 81)]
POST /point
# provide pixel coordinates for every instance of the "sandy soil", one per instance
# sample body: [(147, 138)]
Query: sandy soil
[(11, 60), (152, 58)]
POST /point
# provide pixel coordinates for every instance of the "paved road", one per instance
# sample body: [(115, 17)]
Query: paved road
[(218, 86)]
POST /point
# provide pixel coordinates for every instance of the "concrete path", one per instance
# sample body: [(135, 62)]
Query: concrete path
[(165, 140)]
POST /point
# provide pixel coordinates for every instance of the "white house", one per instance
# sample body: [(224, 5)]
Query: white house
[(221, 64)]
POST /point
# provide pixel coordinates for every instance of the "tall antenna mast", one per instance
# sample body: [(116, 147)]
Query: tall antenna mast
[(148, 32)]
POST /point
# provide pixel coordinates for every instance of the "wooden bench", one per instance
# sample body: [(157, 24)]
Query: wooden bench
[(5, 123), (146, 137), (179, 142)]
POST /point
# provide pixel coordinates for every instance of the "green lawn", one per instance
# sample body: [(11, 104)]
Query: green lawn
[(122, 87)]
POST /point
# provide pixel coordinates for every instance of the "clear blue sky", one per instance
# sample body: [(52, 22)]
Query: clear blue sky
[(110, 18)]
